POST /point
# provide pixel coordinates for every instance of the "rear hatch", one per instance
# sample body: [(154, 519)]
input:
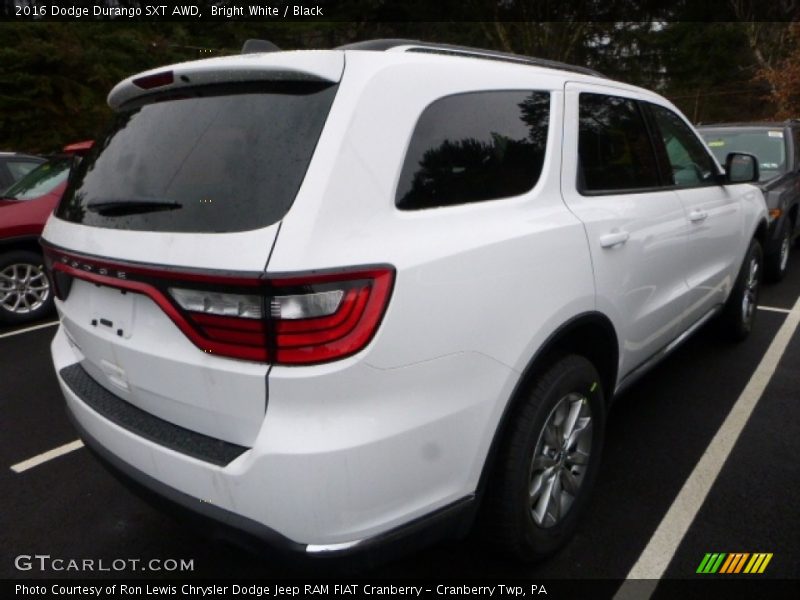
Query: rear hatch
[(160, 243)]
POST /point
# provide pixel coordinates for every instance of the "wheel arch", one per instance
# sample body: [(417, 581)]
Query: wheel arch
[(591, 335), (27, 243)]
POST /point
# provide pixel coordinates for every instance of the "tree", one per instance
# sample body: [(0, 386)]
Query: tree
[(784, 78)]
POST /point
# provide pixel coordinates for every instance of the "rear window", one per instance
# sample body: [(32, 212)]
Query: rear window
[(767, 144), (213, 160)]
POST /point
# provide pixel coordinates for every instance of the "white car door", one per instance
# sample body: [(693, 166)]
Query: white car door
[(635, 225), (714, 213)]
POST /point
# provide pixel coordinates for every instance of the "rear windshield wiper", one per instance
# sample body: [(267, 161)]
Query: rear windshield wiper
[(130, 205)]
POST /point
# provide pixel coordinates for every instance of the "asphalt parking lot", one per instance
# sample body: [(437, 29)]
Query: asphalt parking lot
[(660, 450)]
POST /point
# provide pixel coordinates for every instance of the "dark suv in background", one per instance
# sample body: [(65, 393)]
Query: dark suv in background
[(776, 146)]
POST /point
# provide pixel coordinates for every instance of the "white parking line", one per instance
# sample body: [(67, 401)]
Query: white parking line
[(27, 329), (45, 456), (661, 548), (785, 311)]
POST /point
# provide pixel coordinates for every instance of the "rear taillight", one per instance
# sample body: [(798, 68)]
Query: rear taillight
[(327, 317), (289, 320)]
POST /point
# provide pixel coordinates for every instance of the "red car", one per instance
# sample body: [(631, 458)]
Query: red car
[(25, 293)]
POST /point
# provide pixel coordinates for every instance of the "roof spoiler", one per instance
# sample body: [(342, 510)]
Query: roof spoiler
[(320, 66)]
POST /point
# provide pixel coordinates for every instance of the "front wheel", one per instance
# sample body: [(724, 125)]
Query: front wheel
[(739, 312), (775, 264), (548, 462)]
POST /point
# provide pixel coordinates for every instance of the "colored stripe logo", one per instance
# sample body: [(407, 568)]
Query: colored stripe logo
[(734, 562)]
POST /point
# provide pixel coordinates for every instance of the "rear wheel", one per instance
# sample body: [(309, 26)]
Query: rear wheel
[(25, 290), (739, 312), (548, 462)]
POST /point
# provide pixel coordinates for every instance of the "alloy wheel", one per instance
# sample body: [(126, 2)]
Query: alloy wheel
[(560, 460), (750, 296), (786, 244), (24, 288)]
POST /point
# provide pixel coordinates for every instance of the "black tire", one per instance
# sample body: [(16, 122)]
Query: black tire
[(24, 298), (775, 264), (736, 320), (509, 521)]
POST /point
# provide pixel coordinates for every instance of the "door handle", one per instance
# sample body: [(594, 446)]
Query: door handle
[(615, 238), (697, 216)]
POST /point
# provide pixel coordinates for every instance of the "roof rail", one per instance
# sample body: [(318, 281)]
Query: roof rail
[(254, 46), (466, 51)]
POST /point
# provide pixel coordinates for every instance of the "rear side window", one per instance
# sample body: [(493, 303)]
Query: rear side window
[(691, 165), (215, 159), (614, 146), (475, 147)]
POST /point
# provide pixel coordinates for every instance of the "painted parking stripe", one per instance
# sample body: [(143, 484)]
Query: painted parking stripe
[(655, 558), (27, 329), (46, 456), (785, 311)]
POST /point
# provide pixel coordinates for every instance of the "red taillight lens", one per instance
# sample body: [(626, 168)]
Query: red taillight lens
[(288, 320), (232, 329)]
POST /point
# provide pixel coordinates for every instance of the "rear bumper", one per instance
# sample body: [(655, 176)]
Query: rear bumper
[(222, 524), (217, 521), (326, 476)]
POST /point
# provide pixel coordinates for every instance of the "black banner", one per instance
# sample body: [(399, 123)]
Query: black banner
[(266, 11), (754, 587)]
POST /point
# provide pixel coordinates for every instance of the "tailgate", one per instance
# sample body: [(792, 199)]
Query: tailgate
[(160, 244)]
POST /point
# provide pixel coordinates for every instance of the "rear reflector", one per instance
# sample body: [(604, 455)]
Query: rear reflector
[(287, 320)]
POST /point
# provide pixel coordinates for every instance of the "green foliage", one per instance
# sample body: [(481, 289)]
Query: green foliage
[(54, 77), (708, 71)]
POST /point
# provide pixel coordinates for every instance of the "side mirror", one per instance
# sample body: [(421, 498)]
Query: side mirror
[(741, 168)]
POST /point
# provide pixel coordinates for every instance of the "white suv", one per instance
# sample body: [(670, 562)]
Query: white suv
[(331, 299)]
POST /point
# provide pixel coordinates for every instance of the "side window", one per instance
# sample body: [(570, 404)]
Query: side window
[(690, 162), (474, 147), (614, 146)]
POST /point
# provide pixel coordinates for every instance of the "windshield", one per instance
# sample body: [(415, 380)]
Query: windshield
[(220, 158), (765, 143), (41, 180)]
